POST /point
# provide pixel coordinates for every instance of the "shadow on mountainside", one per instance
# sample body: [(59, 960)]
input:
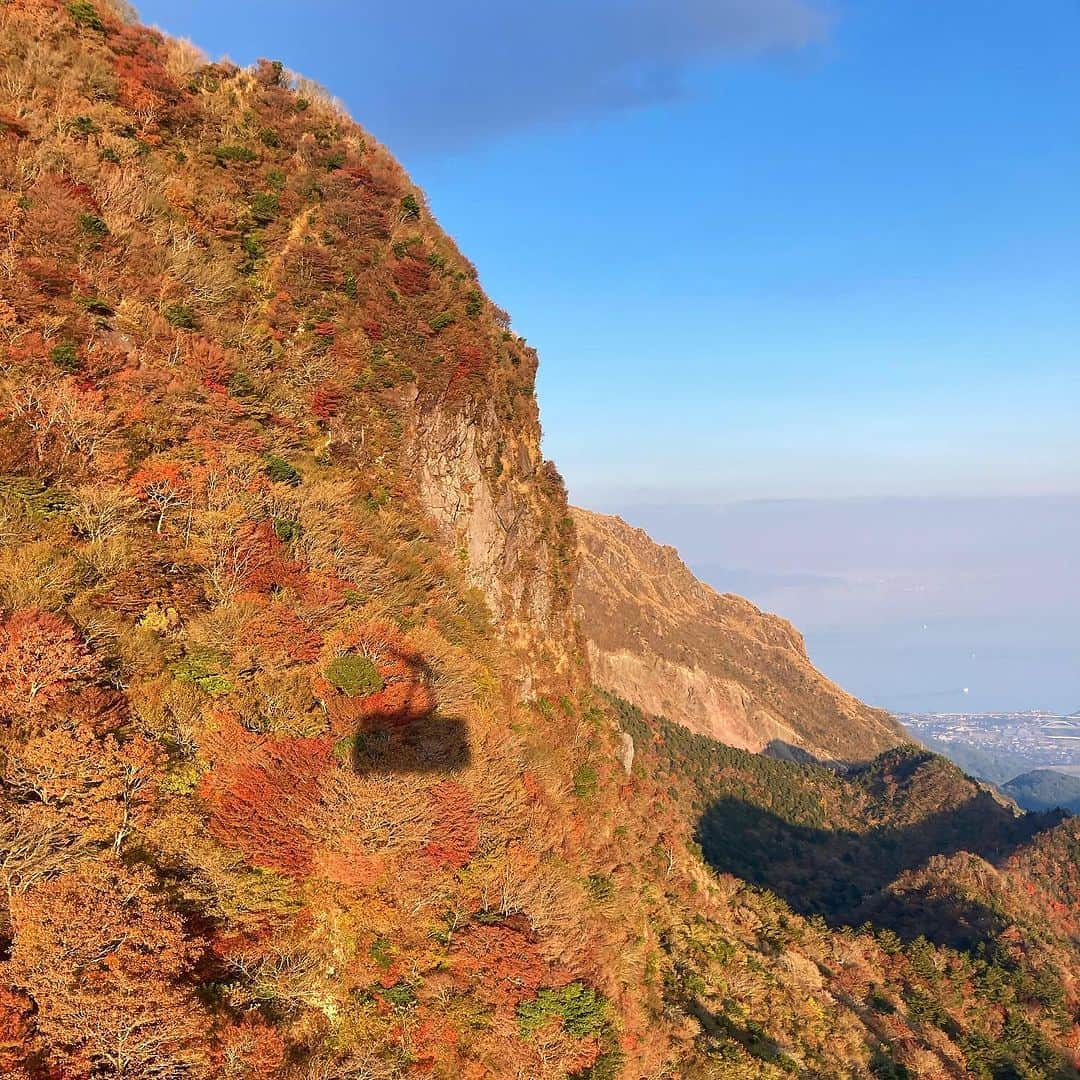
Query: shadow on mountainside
[(433, 744), (844, 875)]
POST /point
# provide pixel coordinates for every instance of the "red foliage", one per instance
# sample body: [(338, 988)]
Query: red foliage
[(412, 276), (468, 374), (50, 278), (41, 656), (277, 635), (398, 703), (261, 560), (166, 485), (10, 128), (98, 708), (211, 361), (145, 86), (353, 869), (258, 803), (15, 1027), (503, 963), (455, 831), (326, 400)]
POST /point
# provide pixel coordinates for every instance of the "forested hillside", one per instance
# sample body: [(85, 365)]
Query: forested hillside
[(301, 774), (1045, 789)]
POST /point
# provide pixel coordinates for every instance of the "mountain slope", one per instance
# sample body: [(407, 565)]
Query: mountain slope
[(301, 777), (660, 638), (1044, 789)]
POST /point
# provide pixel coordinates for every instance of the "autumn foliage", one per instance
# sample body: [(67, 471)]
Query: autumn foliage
[(259, 801), (300, 778), (41, 656)]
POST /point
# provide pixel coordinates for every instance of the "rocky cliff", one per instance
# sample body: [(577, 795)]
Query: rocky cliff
[(675, 647)]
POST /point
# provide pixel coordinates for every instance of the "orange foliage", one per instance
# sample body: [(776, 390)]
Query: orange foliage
[(104, 962), (258, 803), (41, 656), (250, 1050), (454, 830)]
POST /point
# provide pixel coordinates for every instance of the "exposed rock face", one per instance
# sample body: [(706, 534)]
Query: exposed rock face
[(674, 646), (488, 486)]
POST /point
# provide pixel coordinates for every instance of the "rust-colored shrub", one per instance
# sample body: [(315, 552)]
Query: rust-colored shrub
[(258, 803), (455, 830)]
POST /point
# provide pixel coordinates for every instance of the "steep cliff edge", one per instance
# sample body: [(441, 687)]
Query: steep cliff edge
[(677, 648)]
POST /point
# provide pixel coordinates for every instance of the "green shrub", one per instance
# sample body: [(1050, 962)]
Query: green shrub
[(883, 1067), (410, 208), (264, 207), (65, 356), (203, 667), (379, 951), (582, 1010), (93, 226), (334, 161), (281, 472), (354, 675), (85, 14), (240, 384), (474, 304), (234, 152), (400, 994), (269, 137), (606, 1067), (95, 305), (181, 316), (286, 531), (600, 887), (84, 125), (585, 781), (252, 247), (440, 322), (183, 776), (275, 179)]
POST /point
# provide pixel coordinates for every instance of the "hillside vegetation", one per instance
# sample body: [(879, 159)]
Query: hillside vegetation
[(1045, 789), (301, 774)]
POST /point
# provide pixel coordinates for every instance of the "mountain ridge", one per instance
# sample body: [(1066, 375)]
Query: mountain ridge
[(675, 646)]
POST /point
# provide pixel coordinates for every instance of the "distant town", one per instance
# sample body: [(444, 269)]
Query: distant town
[(1015, 740)]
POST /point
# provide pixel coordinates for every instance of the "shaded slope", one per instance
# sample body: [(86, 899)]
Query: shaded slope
[(664, 640), (1045, 789)]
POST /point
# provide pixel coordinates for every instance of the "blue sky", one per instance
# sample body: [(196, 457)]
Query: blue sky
[(789, 250), (767, 249)]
